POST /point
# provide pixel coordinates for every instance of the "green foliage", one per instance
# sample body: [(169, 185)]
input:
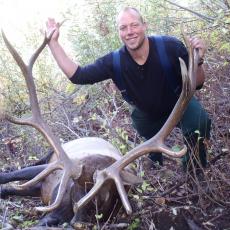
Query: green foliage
[(99, 216), (225, 47), (17, 218), (135, 224), (28, 223), (144, 187), (122, 142)]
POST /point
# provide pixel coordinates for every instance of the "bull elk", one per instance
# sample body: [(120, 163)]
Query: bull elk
[(86, 162)]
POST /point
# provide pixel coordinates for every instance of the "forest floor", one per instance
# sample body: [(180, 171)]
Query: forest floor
[(169, 198)]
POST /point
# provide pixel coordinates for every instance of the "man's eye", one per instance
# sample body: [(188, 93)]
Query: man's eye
[(135, 25)]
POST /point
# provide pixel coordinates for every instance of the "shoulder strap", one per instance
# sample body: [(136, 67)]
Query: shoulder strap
[(118, 78), (165, 63)]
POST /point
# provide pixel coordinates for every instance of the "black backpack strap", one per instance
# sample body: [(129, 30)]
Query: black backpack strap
[(118, 78), (165, 63)]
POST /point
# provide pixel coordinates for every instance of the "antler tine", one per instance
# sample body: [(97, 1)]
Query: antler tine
[(101, 178), (42, 46), (27, 70), (39, 49), (61, 191), (27, 73), (15, 54), (52, 167), (155, 143), (36, 119), (188, 89), (92, 193), (62, 187), (193, 61), (63, 162)]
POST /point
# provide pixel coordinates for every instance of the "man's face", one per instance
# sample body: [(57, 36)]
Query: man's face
[(131, 29)]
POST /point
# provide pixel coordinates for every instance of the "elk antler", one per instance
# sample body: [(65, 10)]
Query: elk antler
[(156, 143), (36, 121)]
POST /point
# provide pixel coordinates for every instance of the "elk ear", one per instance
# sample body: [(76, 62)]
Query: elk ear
[(129, 178)]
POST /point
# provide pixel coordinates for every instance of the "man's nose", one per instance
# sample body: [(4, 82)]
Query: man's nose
[(129, 30)]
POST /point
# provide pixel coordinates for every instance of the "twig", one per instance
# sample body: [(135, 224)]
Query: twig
[(59, 123), (210, 19), (120, 225), (213, 219), (222, 154), (110, 216), (177, 185)]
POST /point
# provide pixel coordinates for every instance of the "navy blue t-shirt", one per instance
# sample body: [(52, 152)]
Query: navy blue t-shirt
[(146, 85)]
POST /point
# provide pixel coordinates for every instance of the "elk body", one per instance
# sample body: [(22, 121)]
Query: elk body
[(87, 165), (93, 154)]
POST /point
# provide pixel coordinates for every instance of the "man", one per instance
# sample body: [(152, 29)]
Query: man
[(146, 83)]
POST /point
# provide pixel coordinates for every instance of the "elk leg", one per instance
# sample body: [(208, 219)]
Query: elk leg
[(33, 191), (44, 160), (22, 174)]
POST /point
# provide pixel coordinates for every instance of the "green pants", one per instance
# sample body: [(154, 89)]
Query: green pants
[(195, 125)]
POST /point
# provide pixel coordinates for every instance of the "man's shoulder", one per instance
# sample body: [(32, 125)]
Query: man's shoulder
[(166, 39), (172, 44), (106, 58)]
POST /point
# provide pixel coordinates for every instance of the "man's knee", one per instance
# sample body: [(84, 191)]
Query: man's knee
[(196, 120)]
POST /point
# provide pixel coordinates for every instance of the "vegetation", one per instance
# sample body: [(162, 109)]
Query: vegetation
[(168, 197)]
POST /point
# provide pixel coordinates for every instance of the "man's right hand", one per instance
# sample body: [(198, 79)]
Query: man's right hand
[(66, 64), (52, 25)]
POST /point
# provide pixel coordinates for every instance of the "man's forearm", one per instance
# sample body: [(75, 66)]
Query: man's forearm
[(64, 62)]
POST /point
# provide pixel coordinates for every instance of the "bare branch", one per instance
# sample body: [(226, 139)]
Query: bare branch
[(210, 19)]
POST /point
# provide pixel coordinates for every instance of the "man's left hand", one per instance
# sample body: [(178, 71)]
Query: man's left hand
[(198, 44)]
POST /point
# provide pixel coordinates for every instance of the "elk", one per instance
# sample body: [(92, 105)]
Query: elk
[(87, 161)]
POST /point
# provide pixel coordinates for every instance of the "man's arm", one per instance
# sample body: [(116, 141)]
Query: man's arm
[(64, 62)]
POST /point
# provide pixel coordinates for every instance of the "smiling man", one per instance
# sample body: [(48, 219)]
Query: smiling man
[(132, 30), (149, 83)]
